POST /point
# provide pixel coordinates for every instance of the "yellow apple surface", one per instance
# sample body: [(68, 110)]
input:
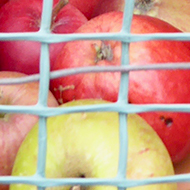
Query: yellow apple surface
[(87, 145), (174, 12)]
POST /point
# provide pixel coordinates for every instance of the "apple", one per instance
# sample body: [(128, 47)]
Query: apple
[(166, 86), (171, 11), (183, 168), (15, 126), (87, 145), (21, 16)]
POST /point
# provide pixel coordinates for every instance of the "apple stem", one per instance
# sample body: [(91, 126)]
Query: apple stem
[(78, 187), (58, 7), (2, 115), (143, 6), (104, 52)]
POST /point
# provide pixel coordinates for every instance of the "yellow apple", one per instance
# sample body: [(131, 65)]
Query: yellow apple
[(87, 145), (175, 12)]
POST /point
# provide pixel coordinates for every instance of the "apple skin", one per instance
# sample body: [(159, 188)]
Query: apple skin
[(87, 144), (2, 2), (166, 86), (171, 11), (105, 6), (183, 168), (21, 16), (86, 7), (14, 126)]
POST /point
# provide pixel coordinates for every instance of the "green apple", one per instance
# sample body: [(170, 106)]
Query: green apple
[(87, 145)]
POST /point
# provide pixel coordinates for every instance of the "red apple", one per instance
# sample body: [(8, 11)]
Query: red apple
[(14, 126), (21, 16), (166, 86)]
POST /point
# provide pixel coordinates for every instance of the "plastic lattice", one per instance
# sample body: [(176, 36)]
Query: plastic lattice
[(121, 106)]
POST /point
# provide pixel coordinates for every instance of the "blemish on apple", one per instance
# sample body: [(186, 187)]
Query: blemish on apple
[(103, 52), (1, 94), (144, 150), (162, 118), (151, 175), (84, 115), (168, 121)]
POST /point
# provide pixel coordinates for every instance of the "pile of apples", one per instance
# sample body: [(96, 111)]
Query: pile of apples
[(87, 144)]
